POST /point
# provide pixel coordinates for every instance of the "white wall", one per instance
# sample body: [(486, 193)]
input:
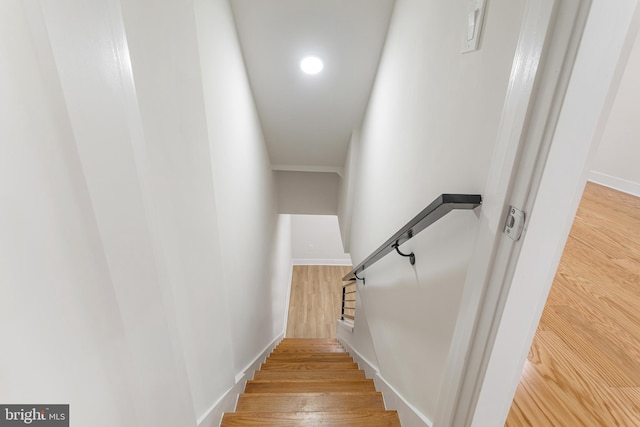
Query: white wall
[(430, 128), (308, 193), (281, 272), (89, 48), (177, 155), (244, 184), (59, 313), (316, 240), (347, 189), (616, 162), (127, 213)]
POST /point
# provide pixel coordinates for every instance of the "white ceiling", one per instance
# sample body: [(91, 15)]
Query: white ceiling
[(307, 120)]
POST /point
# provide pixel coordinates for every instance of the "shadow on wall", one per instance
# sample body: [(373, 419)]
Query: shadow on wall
[(316, 240)]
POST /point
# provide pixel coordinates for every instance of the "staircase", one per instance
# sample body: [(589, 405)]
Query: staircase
[(310, 382)]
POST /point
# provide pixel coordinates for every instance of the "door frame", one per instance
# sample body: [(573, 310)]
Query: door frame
[(568, 65)]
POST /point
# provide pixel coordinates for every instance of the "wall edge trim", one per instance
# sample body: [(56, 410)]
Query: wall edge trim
[(306, 168), (227, 402), (318, 261), (393, 400), (348, 326)]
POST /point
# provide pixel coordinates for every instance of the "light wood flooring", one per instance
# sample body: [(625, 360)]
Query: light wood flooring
[(584, 365), (310, 382), (315, 302)]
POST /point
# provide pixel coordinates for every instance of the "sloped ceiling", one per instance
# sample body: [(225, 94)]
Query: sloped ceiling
[(308, 119)]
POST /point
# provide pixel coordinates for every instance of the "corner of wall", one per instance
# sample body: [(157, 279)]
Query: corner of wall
[(409, 415), (347, 188), (227, 403), (616, 183)]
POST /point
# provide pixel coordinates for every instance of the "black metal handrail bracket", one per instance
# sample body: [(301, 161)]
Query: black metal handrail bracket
[(441, 206)]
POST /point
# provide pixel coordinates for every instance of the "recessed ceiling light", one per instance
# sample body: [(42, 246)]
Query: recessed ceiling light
[(311, 65)]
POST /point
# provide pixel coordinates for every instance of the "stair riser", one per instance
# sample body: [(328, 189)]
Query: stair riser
[(322, 349), (308, 366), (357, 419), (310, 402), (347, 374), (314, 353), (308, 358), (308, 386)]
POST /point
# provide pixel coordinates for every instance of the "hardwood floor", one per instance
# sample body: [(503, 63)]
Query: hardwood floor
[(584, 365), (319, 385), (314, 306)]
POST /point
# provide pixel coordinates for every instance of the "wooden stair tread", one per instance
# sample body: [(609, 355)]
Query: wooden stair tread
[(325, 349), (310, 382), (317, 353), (309, 366), (310, 402), (299, 419), (308, 386), (297, 348), (309, 344), (309, 375), (311, 357)]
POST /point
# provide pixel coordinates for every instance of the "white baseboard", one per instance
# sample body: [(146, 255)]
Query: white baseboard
[(309, 261), (227, 403), (348, 326), (409, 415), (619, 184)]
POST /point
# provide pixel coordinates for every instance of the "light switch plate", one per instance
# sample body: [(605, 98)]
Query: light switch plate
[(473, 21)]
